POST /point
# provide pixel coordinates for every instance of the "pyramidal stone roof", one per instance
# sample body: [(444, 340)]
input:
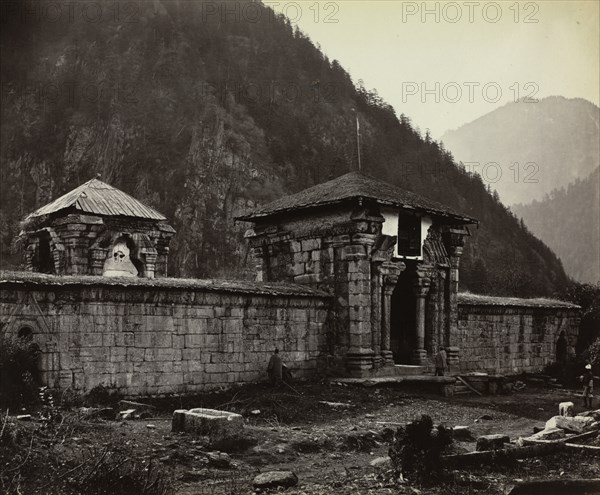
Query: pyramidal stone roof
[(98, 198), (356, 185)]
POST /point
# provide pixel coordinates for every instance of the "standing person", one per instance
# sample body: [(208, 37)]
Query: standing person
[(588, 385), (275, 368), (440, 362)]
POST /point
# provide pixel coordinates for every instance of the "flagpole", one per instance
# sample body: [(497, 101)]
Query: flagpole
[(358, 142)]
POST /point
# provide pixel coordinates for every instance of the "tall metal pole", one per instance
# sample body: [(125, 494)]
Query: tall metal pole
[(358, 142)]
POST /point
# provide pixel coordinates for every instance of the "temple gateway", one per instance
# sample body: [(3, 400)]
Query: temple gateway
[(354, 277), (389, 258)]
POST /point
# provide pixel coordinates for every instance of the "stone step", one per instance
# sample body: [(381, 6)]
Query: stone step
[(444, 384), (409, 370)]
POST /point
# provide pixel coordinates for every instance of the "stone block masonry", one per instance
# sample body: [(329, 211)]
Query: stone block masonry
[(163, 336), (510, 336), (218, 425)]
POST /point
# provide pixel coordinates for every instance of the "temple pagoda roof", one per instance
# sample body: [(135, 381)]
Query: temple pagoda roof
[(98, 198), (356, 185)]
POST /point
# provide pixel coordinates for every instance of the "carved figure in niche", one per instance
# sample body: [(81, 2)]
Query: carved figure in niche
[(119, 263)]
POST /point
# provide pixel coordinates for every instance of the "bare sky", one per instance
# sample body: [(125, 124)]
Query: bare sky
[(470, 56)]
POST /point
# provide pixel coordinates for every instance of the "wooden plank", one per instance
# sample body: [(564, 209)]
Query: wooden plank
[(464, 382), (490, 456)]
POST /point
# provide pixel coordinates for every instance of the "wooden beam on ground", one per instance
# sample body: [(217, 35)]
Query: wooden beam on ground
[(588, 449), (489, 456), (571, 439), (466, 384)]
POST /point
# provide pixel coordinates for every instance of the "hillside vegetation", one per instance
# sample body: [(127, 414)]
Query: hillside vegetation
[(204, 116), (567, 220)]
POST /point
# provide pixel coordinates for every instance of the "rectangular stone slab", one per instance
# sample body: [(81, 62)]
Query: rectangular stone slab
[(217, 425)]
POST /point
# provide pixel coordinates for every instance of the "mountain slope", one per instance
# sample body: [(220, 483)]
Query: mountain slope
[(205, 116), (568, 221), (538, 146)]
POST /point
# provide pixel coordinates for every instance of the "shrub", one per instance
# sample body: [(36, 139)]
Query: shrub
[(592, 353), (102, 396), (19, 377), (110, 473), (416, 450)]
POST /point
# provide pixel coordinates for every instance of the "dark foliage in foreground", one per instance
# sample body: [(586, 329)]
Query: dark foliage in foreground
[(29, 464), (18, 372), (416, 451)]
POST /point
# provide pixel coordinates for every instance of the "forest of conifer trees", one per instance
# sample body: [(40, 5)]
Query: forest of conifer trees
[(203, 118)]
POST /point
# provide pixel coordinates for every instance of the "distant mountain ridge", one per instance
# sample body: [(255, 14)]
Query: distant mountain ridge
[(537, 147), (568, 220)]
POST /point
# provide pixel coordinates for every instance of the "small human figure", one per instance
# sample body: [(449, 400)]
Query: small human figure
[(440, 362), (588, 385), (275, 369), (561, 348)]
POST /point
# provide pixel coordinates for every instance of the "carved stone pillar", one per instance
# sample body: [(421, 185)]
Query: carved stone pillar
[(98, 257), (360, 353), (150, 264), (432, 323), (421, 288), (376, 313), (391, 272), (258, 259), (454, 239), (29, 255)]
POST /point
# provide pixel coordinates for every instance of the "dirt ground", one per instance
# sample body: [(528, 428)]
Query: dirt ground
[(327, 434)]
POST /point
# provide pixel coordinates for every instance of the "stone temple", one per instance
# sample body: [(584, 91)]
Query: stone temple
[(389, 258), (354, 277), (97, 230)]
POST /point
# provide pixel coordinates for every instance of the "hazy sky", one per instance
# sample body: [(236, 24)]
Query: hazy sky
[(470, 56)]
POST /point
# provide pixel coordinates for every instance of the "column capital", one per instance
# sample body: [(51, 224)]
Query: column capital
[(454, 238), (392, 268), (421, 286), (364, 238)]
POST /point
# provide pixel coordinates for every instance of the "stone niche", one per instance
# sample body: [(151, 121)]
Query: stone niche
[(83, 244)]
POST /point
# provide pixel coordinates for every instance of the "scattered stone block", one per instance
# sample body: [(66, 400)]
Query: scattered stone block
[(578, 424), (127, 414), (557, 486), (217, 425), (566, 409), (462, 433), (219, 460), (591, 414), (97, 412), (275, 479), (491, 442), (141, 410), (334, 405), (381, 462)]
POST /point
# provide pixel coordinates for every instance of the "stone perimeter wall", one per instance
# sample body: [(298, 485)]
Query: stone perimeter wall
[(154, 341), (513, 339)]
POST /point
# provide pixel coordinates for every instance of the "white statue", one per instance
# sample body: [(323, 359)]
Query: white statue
[(118, 263)]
